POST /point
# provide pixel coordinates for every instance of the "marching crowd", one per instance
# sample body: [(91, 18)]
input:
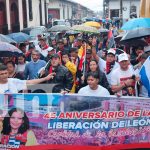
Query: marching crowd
[(85, 65)]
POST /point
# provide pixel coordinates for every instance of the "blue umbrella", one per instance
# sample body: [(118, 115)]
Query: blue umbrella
[(19, 37), (136, 23), (5, 38)]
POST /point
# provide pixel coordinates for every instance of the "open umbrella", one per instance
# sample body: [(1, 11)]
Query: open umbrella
[(136, 34), (102, 30), (19, 37), (134, 42), (119, 37), (5, 38), (92, 24), (136, 23), (59, 28), (83, 28), (7, 50), (72, 32)]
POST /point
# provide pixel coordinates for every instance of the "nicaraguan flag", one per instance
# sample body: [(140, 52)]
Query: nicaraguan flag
[(145, 75)]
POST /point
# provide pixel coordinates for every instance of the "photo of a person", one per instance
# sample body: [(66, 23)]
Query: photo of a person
[(16, 129), (130, 91)]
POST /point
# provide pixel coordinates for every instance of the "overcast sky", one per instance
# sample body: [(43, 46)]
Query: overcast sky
[(95, 5)]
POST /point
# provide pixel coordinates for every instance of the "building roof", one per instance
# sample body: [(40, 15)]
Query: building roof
[(71, 1)]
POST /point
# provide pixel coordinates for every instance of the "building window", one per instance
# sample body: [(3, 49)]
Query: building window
[(133, 13), (133, 9), (114, 13), (30, 10)]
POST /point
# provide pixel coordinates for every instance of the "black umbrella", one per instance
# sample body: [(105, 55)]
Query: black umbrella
[(136, 34), (134, 42)]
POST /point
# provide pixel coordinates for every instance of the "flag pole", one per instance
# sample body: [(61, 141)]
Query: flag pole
[(84, 66)]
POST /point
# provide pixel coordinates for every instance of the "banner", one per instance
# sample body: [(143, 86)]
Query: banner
[(48, 121)]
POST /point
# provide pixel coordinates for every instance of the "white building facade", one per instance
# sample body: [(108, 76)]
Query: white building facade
[(123, 8), (18, 14), (67, 9)]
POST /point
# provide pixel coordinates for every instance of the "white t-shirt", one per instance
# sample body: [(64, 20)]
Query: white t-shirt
[(43, 52), (21, 67), (87, 91), (102, 67), (119, 76), (13, 86)]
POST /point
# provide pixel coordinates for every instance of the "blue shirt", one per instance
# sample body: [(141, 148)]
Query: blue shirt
[(32, 68)]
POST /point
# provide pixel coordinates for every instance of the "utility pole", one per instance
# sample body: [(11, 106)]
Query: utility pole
[(104, 8), (45, 6), (40, 8), (121, 12)]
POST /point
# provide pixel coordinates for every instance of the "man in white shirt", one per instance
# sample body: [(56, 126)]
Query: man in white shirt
[(109, 65), (12, 85), (123, 78), (43, 46), (93, 89)]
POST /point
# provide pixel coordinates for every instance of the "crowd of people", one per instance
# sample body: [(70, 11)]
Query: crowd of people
[(83, 64)]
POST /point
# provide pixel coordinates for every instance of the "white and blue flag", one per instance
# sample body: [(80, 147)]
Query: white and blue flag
[(145, 75)]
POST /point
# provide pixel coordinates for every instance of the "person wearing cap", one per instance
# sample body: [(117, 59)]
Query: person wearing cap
[(42, 47), (109, 65), (62, 78), (51, 51), (60, 46), (123, 77)]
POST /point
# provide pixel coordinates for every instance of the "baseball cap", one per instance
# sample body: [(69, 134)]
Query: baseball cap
[(50, 49), (147, 49), (60, 41), (123, 57), (55, 56), (111, 51)]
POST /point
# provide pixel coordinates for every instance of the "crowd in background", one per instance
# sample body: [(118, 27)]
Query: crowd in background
[(84, 63)]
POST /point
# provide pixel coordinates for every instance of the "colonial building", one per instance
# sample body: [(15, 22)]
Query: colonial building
[(67, 9), (121, 8), (18, 14)]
